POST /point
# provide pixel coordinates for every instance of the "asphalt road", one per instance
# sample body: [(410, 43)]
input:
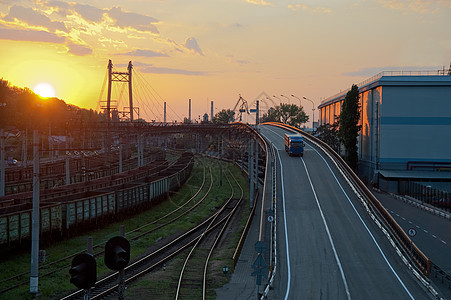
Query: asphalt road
[(328, 246)]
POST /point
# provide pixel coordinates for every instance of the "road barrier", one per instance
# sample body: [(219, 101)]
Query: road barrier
[(420, 260)]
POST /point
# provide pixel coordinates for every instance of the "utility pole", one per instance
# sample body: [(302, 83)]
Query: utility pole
[(251, 173), (2, 162), (257, 114), (211, 114), (189, 112), (130, 94), (24, 148), (164, 120), (34, 270), (110, 81), (256, 166)]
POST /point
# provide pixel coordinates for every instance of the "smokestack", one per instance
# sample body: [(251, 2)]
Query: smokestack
[(164, 120), (211, 115), (189, 115)]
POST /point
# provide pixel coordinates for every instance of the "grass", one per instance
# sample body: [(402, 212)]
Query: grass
[(57, 284), (162, 284)]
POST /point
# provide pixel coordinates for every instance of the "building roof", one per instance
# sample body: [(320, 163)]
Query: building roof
[(396, 78)]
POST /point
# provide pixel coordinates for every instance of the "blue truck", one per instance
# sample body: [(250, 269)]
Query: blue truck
[(294, 144)]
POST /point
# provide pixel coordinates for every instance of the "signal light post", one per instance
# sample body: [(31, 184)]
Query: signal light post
[(117, 256), (83, 273)]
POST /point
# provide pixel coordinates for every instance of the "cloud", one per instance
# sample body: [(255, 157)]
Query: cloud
[(149, 68), (158, 70), (259, 2), (30, 35), (79, 50), (33, 18), (132, 20), (146, 53), (89, 13), (59, 7), (371, 71), (419, 6), (310, 9), (191, 44)]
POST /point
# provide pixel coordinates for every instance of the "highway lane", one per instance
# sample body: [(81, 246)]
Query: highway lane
[(329, 248), (433, 232)]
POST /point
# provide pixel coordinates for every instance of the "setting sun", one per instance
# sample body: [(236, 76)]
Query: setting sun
[(44, 90)]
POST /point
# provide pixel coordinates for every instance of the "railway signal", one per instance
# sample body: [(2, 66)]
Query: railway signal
[(117, 253), (83, 271), (117, 256)]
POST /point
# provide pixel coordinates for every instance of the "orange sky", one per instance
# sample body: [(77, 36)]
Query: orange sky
[(217, 50)]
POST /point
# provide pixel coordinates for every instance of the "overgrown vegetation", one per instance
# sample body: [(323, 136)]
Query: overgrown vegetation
[(348, 130)]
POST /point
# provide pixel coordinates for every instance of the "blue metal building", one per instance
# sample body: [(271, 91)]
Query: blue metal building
[(406, 128)]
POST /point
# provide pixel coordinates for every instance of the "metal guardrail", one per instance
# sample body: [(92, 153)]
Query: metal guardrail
[(239, 247), (420, 259)]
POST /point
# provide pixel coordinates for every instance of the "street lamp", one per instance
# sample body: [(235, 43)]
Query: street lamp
[(287, 98), (280, 101), (313, 110), (272, 101)]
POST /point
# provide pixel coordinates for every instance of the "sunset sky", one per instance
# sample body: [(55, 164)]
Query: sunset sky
[(217, 49)]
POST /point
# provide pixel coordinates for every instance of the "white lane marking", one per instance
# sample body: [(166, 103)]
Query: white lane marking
[(367, 229), (443, 242), (425, 230), (285, 224), (286, 229), (434, 236), (325, 225), (328, 233)]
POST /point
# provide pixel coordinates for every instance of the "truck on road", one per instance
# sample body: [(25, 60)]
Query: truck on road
[(294, 144)]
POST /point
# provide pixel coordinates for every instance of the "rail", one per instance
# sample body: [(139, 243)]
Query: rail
[(419, 258)]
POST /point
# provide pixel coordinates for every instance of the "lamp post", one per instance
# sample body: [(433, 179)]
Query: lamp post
[(313, 110), (280, 101), (272, 101), (289, 102)]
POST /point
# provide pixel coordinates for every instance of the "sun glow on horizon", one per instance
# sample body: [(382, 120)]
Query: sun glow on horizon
[(44, 90)]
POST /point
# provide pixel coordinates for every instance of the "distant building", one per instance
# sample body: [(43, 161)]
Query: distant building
[(205, 118), (406, 128)]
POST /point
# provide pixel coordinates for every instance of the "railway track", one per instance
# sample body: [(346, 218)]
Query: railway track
[(191, 280), (107, 286), (63, 264)]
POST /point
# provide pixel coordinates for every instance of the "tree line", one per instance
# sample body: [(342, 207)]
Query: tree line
[(290, 114), (342, 132), (345, 129), (21, 108)]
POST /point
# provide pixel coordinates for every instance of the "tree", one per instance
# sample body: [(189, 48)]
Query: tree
[(270, 116), (224, 116), (328, 134), (290, 114), (348, 129)]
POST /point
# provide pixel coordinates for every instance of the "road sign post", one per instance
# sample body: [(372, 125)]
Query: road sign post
[(411, 232)]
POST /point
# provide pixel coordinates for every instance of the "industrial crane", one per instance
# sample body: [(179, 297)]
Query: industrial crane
[(243, 106)]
